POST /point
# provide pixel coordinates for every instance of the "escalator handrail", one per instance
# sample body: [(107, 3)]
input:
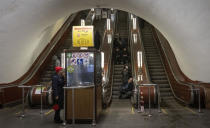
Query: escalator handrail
[(132, 54), (191, 86), (143, 52), (110, 62), (50, 48), (53, 43)]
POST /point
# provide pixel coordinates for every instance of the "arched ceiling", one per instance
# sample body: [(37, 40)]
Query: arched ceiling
[(26, 26)]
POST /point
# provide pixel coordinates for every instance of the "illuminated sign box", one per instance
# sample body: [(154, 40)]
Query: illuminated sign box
[(83, 36)]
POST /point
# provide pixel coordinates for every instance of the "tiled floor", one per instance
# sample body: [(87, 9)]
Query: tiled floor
[(119, 115)]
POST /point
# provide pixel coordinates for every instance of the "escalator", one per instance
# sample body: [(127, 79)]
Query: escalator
[(156, 68), (122, 30), (46, 75)]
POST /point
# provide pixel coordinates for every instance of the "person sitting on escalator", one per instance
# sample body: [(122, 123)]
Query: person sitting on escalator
[(126, 88)]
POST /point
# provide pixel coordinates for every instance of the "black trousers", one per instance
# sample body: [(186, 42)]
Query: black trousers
[(60, 104)]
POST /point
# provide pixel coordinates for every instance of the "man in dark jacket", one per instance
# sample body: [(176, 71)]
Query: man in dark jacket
[(127, 87), (58, 92)]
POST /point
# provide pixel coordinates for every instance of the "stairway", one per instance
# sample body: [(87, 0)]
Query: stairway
[(117, 81), (46, 75), (122, 29), (122, 25), (156, 67)]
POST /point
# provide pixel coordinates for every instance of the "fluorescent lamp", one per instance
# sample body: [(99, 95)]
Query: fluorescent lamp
[(131, 16), (83, 48), (82, 22), (135, 38), (139, 58), (134, 23), (108, 25), (109, 37), (102, 60), (63, 60), (92, 9)]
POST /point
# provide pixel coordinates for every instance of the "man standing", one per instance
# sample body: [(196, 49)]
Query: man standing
[(58, 92)]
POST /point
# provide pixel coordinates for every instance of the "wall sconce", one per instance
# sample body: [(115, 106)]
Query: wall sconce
[(134, 38), (140, 78), (63, 60), (131, 17), (82, 22), (108, 26), (102, 60), (92, 9), (109, 38), (139, 58), (134, 23)]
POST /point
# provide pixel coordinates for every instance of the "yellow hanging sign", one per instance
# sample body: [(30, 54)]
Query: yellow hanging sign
[(83, 36)]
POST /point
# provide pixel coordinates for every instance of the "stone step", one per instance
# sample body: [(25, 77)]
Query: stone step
[(160, 81), (49, 72), (164, 77), (46, 79), (117, 80), (117, 84), (117, 72), (117, 76), (157, 73), (116, 88), (153, 60), (119, 66), (152, 55), (165, 94), (165, 89), (118, 69), (116, 93), (45, 75), (164, 85), (155, 67), (168, 98), (156, 70), (115, 97)]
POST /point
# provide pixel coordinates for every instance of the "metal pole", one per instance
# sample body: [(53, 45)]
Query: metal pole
[(94, 110), (41, 102), (159, 100), (199, 100), (64, 108), (138, 100), (73, 120), (149, 104), (23, 103)]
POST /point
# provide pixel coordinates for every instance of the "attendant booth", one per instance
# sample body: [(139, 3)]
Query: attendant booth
[(83, 93)]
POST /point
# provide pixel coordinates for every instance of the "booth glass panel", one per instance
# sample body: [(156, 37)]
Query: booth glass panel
[(80, 68)]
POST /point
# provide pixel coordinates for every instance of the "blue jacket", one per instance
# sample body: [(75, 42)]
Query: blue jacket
[(57, 85)]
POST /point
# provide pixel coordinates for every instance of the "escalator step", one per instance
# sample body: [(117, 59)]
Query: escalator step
[(164, 85), (160, 81), (159, 77)]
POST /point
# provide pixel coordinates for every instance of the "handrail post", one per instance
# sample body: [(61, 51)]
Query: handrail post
[(150, 115), (41, 102), (64, 108), (138, 93), (199, 99), (23, 103), (159, 99), (94, 103)]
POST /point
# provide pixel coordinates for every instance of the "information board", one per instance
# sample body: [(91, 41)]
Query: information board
[(83, 36)]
